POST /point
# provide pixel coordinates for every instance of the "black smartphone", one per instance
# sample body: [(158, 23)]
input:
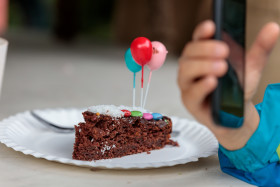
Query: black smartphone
[(228, 98)]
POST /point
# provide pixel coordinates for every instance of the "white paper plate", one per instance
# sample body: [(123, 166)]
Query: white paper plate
[(26, 134)]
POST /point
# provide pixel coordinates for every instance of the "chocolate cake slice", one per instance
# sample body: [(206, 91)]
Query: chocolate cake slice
[(110, 132)]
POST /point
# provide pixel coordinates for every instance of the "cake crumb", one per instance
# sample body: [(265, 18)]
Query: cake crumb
[(94, 169)]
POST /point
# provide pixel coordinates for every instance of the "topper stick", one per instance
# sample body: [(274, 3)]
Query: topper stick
[(142, 83), (142, 93), (134, 75), (147, 89), (134, 68)]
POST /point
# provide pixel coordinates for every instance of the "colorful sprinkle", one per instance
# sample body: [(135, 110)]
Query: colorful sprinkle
[(136, 114), (147, 116), (127, 113), (157, 116), (97, 113)]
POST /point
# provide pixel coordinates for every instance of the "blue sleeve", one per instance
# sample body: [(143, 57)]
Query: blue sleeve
[(260, 155), (266, 176)]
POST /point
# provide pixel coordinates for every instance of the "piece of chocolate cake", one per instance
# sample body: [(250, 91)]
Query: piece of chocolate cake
[(110, 132)]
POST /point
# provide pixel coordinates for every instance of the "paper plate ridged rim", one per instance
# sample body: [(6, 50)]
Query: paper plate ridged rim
[(20, 124)]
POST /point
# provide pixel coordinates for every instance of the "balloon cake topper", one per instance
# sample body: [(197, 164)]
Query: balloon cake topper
[(144, 52)]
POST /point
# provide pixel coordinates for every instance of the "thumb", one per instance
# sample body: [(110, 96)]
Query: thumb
[(261, 48)]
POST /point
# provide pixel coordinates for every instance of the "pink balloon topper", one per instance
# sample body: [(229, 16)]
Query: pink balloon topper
[(158, 57), (157, 60)]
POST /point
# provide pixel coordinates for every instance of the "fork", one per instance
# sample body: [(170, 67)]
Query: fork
[(52, 126)]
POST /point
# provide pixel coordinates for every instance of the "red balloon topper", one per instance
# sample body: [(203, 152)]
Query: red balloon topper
[(141, 50)]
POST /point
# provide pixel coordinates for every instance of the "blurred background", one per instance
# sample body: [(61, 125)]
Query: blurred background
[(112, 21), (66, 53)]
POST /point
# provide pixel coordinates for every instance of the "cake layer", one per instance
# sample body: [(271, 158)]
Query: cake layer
[(103, 136)]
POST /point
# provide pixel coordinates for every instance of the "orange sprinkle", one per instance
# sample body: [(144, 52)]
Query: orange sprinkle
[(98, 113)]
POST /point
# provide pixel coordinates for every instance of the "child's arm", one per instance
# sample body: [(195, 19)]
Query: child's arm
[(203, 61), (252, 152), (258, 161)]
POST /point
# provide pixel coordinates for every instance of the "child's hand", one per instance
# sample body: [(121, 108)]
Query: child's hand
[(203, 61)]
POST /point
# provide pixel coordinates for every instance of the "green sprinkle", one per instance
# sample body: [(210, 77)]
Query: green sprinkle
[(166, 121), (136, 114)]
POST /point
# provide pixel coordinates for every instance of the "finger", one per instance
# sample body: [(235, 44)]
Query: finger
[(205, 30), (261, 48), (191, 70), (198, 91), (206, 49)]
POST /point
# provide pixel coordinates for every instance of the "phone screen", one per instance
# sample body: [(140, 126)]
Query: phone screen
[(232, 21)]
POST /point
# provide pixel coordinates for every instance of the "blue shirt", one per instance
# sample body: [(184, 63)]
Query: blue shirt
[(258, 161)]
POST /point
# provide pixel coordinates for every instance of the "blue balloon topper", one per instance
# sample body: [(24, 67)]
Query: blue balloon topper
[(130, 62)]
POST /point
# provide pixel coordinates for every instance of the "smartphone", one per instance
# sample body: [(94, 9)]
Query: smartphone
[(228, 98)]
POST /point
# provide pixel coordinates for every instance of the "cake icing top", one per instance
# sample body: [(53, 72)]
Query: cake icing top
[(112, 110)]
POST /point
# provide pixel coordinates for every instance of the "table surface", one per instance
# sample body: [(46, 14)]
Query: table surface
[(47, 75)]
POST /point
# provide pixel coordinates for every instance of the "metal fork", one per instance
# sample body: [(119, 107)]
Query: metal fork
[(52, 126)]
